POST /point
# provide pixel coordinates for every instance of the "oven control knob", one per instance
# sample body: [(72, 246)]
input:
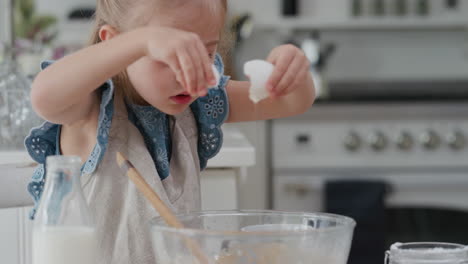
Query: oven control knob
[(302, 139), (430, 140), (378, 141), (405, 141), (456, 140), (352, 141)]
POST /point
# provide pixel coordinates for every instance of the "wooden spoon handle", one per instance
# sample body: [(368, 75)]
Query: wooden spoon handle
[(164, 211), (146, 190)]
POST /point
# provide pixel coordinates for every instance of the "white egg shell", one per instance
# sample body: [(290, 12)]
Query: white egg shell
[(259, 71)]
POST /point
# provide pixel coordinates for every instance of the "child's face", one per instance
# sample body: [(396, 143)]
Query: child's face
[(154, 81)]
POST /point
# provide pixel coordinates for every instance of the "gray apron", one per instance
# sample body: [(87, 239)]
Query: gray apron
[(122, 214)]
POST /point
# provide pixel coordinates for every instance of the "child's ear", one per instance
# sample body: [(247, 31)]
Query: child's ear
[(107, 32)]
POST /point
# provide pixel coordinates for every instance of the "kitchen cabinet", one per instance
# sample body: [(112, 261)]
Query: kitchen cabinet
[(219, 184), (9, 226), (15, 235), (15, 226), (226, 173), (219, 189)]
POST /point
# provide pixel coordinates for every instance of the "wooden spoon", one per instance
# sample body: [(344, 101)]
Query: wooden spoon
[(164, 211)]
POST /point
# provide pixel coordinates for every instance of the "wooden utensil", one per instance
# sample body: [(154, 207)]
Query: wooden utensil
[(164, 211)]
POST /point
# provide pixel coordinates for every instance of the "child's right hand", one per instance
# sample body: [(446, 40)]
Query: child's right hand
[(187, 56)]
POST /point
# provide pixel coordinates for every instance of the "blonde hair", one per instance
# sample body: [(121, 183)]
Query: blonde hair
[(111, 12)]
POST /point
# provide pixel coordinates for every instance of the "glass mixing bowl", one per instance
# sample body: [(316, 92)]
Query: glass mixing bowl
[(253, 237)]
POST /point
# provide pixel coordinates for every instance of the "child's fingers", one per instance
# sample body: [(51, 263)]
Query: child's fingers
[(209, 76), (300, 77), (291, 74), (188, 69), (200, 74), (281, 63), (174, 64)]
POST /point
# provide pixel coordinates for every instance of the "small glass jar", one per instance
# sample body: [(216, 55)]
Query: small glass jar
[(427, 253)]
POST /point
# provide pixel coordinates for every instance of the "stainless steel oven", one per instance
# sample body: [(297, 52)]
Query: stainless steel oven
[(401, 169)]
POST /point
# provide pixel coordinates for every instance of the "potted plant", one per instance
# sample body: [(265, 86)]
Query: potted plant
[(33, 35)]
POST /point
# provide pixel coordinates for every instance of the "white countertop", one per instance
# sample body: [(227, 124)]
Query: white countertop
[(236, 152), (17, 167)]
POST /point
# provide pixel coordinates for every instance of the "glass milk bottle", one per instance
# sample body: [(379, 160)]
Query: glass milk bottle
[(63, 230), (427, 253)]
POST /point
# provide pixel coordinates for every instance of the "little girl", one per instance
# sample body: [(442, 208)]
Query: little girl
[(141, 88)]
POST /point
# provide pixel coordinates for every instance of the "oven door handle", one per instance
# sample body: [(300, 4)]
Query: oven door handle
[(299, 189)]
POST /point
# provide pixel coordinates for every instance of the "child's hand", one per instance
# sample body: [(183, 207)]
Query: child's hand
[(291, 70), (185, 54)]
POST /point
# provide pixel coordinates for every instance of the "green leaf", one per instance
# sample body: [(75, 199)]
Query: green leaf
[(43, 22), (27, 8), (21, 27), (26, 23), (39, 24)]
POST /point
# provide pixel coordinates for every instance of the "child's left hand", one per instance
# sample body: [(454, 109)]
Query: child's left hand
[(291, 70)]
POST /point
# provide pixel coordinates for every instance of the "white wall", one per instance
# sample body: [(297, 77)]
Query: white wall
[(4, 21), (61, 8)]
